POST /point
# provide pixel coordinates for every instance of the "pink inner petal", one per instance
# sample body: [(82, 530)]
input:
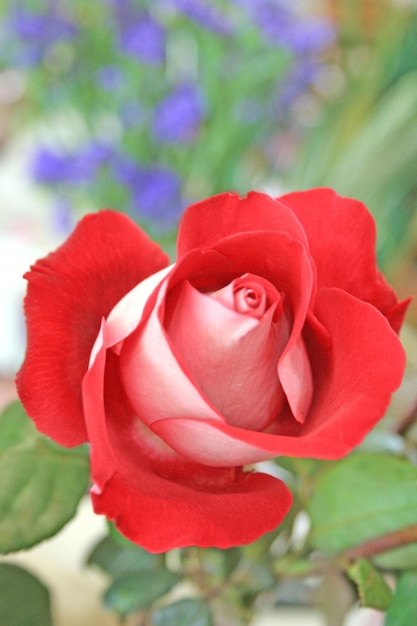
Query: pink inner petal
[(154, 380), (231, 357), (127, 313), (295, 374), (250, 295), (250, 300)]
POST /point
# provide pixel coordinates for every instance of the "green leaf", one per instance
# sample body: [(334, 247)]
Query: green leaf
[(361, 497), (192, 612), (372, 588), (23, 599), (117, 559), (403, 609), (41, 483), (139, 591)]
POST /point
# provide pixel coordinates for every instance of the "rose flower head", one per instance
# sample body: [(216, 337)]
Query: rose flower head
[(272, 334)]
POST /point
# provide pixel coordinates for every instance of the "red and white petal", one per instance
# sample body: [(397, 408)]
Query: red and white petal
[(153, 511), (232, 358), (206, 223), (129, 311), (103, 461), (156, 384), (69, 292), (354, 377), (292, 273), (164, 515), (296, 377), (342, 235)]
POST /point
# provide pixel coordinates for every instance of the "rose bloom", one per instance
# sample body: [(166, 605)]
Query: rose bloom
[(272, 334)]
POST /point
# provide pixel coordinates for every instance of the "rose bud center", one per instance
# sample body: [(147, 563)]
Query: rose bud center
[(229, 342)]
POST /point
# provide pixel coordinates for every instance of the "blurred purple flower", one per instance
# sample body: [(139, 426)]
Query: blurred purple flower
[(281, 25), (35, 32), (204, 14), (155, 190), (122, 10), (144, 39), (51, 167), (304, 36), (177, 118), (156, 195), (50, 26), (125, 170), (299, 77)]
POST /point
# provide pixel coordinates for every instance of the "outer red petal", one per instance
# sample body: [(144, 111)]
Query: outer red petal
[(69, 292), (342, 235), (166, 515), (151, 510), (206, 223)]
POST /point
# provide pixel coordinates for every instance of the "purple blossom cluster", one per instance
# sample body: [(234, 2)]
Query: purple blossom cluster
[(77, 168), (154, 190), (178, 116), (144, 39), (205, 14), (280, 24), (36, 31), (160, 113)]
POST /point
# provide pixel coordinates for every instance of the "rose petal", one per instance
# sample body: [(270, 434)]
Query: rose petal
[(298, 288), (128, 312), (206, 223), (297, 379), (251, 295), (155, 383), (342, 235), (166, 515), (102, 457), (69, 292), (160, 514), (232, 358)]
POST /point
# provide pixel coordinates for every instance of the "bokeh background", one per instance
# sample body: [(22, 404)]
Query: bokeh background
[(145, 106)]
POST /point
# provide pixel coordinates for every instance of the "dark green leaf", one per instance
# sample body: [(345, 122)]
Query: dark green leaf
[(372, 587), (139, 591), (41, 483), (191, 612), (117, 559), (23, 598), (403, 609), (361, 497)]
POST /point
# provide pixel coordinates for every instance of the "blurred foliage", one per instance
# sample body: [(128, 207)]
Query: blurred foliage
[(364, 143)]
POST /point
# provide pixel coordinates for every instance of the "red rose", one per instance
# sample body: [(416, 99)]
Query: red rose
[(272, 334)]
